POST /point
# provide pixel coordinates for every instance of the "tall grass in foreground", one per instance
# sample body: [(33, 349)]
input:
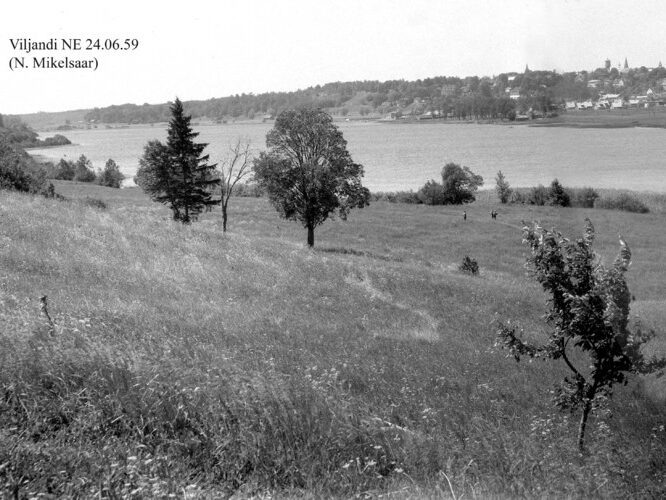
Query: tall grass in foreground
[(191, 363)]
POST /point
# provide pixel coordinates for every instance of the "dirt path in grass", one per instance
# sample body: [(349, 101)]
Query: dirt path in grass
[(427, 325)]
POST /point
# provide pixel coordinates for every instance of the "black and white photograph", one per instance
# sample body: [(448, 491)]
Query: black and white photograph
[(333, 249)]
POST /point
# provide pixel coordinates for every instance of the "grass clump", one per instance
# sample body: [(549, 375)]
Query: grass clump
[(469, 266), (94, 203)]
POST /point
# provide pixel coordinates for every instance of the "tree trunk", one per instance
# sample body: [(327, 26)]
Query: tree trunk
[(583, 422), (224, 219), (310, 235)]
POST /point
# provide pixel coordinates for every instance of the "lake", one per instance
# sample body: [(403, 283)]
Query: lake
[(403, 156)]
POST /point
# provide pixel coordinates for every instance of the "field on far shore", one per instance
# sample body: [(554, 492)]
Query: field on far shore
[(194, 363), (617, 118)]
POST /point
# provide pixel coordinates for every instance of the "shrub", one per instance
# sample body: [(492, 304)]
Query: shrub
[(95, 203), (397, 197), (20, 172), (432, 193), (57, 140), (622, 201), (83, 171), (111, 175), (538, 195), (458, 186), (65, 170), (404, 197), (519, 197), (557, 195), (582, 197), (470, 266)]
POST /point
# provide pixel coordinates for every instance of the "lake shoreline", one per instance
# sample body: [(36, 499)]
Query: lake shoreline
[(400, 156)]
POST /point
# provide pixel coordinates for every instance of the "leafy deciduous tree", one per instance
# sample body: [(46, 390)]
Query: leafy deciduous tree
[(458, 187), (589, 310), (431, 193), (83, 171), (65, 170), (307, 172), (111, 175), (459, 184), (18, 171)]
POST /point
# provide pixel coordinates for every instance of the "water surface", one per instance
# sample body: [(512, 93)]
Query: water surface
[(401, 156)]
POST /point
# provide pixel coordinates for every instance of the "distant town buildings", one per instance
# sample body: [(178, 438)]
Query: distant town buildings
[(534, 94)]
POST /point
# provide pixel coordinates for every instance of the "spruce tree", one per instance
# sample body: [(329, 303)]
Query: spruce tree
[(179, 173)]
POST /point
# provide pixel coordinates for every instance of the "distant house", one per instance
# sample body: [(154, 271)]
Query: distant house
[(429, 115), (585, 105), (514, 94), (570, 105), (593, 84), (617, 104)]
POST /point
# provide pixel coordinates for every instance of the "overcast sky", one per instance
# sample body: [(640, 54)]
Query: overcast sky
[(199, 49)]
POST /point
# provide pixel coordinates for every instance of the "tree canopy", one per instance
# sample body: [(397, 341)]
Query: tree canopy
[(111, 176), (307, 172), (178, 173), (458, 186)]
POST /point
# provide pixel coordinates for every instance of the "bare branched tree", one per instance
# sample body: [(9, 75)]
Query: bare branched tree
[(236, 167)]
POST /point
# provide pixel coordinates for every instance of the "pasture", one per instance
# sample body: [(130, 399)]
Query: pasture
[(198, 364)]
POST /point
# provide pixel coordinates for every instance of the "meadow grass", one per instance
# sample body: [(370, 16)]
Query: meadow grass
[(651, 117), (194, 363)]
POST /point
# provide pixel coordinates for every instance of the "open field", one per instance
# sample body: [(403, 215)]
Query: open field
[(617, 118), (190, 362)]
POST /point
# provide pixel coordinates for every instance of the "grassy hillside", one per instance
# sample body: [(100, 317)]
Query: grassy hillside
[(190, 362), (51, 120)]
